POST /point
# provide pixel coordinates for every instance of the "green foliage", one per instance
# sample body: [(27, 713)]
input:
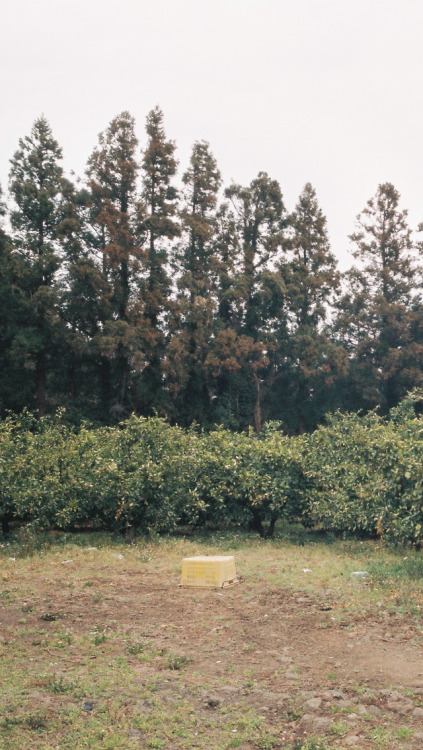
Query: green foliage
[(380, 314), (356, 475), (367, 475), (114, 237), (176, 663), (241, 480), (192, 327), (125, 294), (42, 225), (410, 568), (313, 743), (160, 227), (112, 477), (313, 362)]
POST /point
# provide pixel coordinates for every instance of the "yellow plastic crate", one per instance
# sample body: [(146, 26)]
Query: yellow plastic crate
[(208, 572)]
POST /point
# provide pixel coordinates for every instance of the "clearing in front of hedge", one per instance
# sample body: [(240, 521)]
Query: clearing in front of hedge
[(318, 646)]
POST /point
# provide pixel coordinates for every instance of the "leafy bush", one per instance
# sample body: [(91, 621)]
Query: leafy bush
[(366, 474), (240, 480), (357, 474)]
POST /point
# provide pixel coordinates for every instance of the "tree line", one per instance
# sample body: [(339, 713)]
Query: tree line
[(139, 290)]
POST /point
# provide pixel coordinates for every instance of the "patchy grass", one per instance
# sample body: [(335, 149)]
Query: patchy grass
[(101, 648)]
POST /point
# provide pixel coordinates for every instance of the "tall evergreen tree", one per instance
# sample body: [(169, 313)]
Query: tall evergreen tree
[(160, 226), (227, 255), (260, 220), (224, 359), (311, 362), (85, 305), (37, 185), (194, 316), (112, 171), (377, 318), (8, 319)]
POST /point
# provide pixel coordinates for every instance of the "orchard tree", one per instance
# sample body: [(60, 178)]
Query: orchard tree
[(377, 319)]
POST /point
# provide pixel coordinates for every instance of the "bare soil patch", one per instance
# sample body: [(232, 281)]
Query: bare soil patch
[(255, 665)]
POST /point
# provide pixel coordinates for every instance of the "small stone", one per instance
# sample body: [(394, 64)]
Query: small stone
[(400, 707), (337, 694), (321, 723), (212, 701), (313, 704), (373, 710), (88, 706), (362, 710), (307, 721), (283, 697), (352, 740), (344, 703), (392, 695)]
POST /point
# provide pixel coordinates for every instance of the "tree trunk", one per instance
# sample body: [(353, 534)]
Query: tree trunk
[(40, 384), (302, 400), (256, 523), (257, 409), (105, 385), (271, 529)]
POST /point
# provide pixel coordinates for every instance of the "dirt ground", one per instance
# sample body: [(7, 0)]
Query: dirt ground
[(302, 661)]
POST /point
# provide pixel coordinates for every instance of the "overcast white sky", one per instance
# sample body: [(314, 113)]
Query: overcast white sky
[(326, 91)]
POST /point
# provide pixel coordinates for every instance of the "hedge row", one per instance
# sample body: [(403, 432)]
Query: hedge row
[(356, 474)]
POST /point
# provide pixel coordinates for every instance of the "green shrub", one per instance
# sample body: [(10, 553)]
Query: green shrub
[(366, 475), (356, 475)]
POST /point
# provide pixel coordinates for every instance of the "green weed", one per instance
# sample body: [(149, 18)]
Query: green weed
[(178, 662), (338, 728)]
